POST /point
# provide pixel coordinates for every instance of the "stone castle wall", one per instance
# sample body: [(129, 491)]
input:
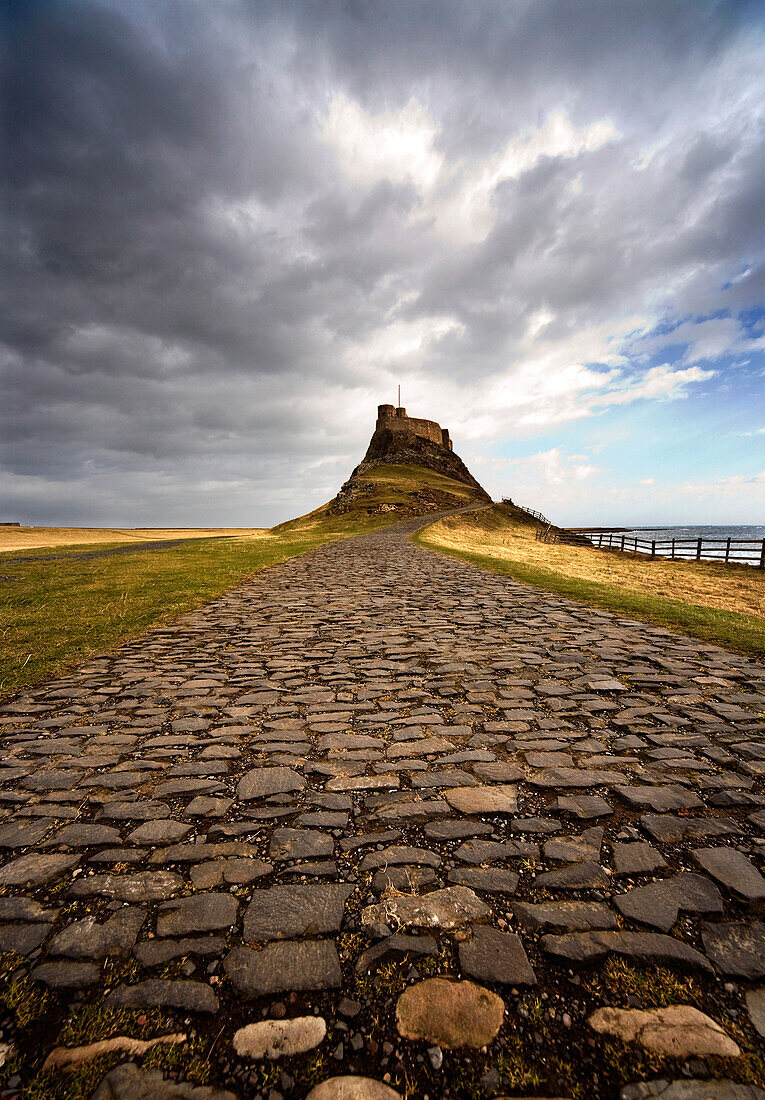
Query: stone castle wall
[(396, 420)]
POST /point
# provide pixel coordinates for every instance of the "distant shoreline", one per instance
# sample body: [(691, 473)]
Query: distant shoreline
[(673, 527)]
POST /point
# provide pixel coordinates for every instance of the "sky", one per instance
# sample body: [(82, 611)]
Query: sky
[(232, 228)]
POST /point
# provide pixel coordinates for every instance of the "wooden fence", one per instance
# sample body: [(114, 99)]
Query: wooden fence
[(733, 551), (528, 511)]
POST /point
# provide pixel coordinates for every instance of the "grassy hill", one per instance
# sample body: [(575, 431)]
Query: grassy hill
[(385, 494)]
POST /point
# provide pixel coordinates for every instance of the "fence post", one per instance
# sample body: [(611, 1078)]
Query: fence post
[(727, 550), (762, 555), (653, 548), (698, 550), (622, 545), (673, 549), (600, 539)]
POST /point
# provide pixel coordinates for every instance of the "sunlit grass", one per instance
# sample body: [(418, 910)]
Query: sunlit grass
[(722, 604)]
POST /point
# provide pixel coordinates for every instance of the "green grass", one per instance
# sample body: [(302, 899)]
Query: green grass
[(56, 614), (743, 633)]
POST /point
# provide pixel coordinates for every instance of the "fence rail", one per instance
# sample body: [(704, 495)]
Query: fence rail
[(528, 511), (732, 551)]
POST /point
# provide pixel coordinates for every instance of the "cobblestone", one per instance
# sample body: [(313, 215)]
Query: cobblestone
[(372, 738)]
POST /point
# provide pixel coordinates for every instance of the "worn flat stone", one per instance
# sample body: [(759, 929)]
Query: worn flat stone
[(755, 1006), (264, 782), (66, 975), (185, 996), (300, 844), (90, 939), (451, 1014), (22, 834), (659, 798), (128, 1082), (499, 799), (499, 771), (406, 880), (732, 868), (86, 836), (158, 952), (279, 1038), (585, 806), (562, 778), (228, 871), (491, 851), (213, 912), (679, 1031), (636, 858), (143, 886), (287, 912), (576, 849), (573, 916), (26, 909), (22, 939), (286, 966), (163, 831), (492, 956), (396, 947), (399, 854), (492, 880), (447, 909), (576, 876), (36, 869), (687, 1089), (659, 903), (735, 948), (588, 947), (352, 1088)]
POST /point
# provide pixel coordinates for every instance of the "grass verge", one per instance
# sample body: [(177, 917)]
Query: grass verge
[(717, 603), (55, 614)]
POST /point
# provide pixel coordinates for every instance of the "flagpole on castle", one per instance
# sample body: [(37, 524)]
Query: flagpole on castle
[(399, 397)]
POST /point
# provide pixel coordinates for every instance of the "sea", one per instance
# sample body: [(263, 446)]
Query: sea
[(720, 531), (711, 551)]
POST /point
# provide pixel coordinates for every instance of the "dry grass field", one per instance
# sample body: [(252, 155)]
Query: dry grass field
[(730, 588), (33, 538), (717, 602)]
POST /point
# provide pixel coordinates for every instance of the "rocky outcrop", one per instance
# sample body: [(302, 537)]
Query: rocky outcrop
[(402, 447), (408, 449)]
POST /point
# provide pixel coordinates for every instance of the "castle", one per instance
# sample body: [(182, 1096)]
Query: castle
[(409, 443), (396, 420)]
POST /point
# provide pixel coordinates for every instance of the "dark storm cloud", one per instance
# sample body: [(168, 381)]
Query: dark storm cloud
[(201, 305)]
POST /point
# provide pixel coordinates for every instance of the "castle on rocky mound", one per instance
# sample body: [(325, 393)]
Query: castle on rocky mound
[(407, 441), (404, 440)]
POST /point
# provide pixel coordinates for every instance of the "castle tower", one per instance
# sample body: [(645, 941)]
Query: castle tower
[(396, 420)]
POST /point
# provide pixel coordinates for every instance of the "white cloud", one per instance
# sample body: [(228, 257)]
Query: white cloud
[(708, 339), (739, 488), (400, 146), (559, 379), (659, 383), (550, 468), (400, 344), (396, 145)]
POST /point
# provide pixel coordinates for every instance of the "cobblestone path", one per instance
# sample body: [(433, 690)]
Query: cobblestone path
[(370, 766)]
